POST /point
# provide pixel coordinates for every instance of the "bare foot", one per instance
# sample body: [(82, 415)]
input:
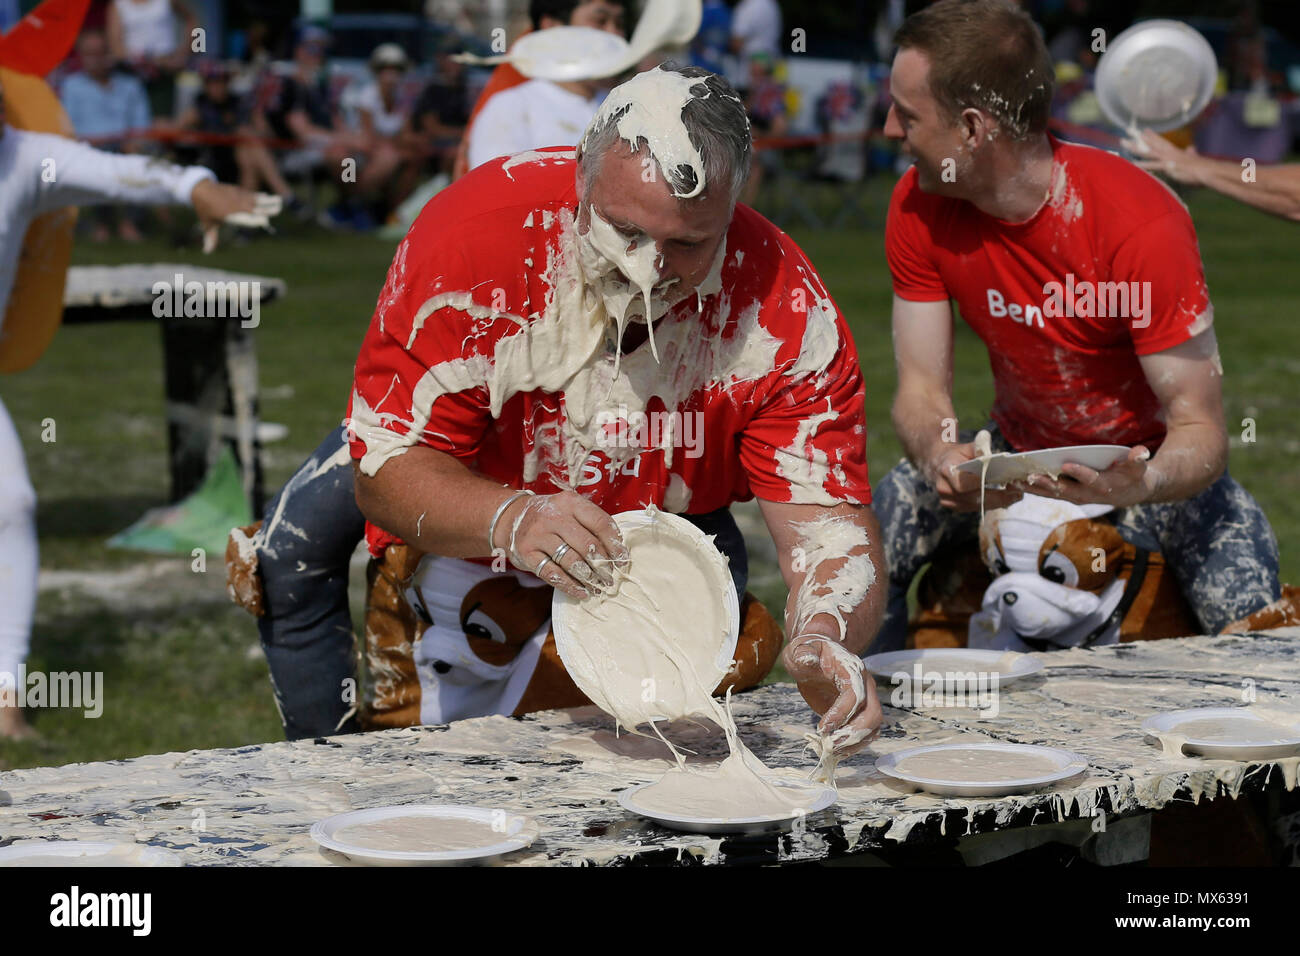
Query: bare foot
[(13, 725)]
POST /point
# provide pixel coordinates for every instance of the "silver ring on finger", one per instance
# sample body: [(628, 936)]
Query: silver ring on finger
[(561, 551), (541, 564)]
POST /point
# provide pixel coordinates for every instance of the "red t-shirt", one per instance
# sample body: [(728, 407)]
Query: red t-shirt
[(767, 371), (1109, 232)]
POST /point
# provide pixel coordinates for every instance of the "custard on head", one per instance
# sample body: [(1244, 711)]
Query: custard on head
[(659, 170)]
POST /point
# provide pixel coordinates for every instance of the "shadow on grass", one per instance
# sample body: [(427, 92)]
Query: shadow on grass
[(97, 516)]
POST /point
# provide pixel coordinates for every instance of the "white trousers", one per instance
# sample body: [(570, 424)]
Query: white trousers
[(19, 559)]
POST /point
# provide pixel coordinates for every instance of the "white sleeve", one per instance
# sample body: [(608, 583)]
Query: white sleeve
[(500, 129), (74, 174)]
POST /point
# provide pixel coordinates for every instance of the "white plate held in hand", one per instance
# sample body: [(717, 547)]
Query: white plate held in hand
[(1157, 74), (629, 664), (1006, 466)]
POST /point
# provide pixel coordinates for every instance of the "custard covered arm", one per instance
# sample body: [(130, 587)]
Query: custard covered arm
[(834, 564)]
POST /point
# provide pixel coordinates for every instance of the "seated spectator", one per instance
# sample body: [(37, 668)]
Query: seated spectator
[(383, 118), (765, 97), (765, 102), (106, 107), (439, 117), (218, 111), (153, 37), (253, 58), (301, 108)]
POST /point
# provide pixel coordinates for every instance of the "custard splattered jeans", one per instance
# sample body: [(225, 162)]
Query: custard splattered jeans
[(311, 528), (1218, 544)]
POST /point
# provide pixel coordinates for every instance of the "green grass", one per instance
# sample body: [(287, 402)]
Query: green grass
[(181, 673)]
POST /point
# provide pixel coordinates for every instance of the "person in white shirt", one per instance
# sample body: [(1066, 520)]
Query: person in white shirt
[(154, 37), (756, 28), (39, 173), (382, 115), (532, 115)]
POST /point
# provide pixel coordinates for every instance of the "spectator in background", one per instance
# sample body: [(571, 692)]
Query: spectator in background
[(756, 28), (301, 108), (153, 37), (889, 17), (254, 58), (217, 110), (711, 48), (1247, 54), (1074, 29), (766, 97), (105, 106), (597, 14), (383, 118), (768, 116), (439, 117), (9, 14)]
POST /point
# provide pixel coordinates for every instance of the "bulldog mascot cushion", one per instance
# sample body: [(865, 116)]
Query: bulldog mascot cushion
[(1052, 574), (1063, 579), (484, 634)]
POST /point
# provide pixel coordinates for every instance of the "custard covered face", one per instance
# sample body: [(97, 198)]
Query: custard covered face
[(640, 242), (659, 170)]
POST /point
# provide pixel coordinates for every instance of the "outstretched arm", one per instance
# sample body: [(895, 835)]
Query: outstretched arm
[(75, 174), (79, 175), (1272, 189)]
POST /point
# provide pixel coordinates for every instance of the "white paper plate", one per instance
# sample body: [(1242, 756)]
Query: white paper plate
[(825, 799), (1067, 765), (953, 663), (72, 853), (1286, 744), (518, 832), (1005, 466), (1157, 74), (563, 54), (711, 668), (665, 23)]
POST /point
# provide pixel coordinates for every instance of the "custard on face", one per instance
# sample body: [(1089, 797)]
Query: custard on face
[(631, 194)]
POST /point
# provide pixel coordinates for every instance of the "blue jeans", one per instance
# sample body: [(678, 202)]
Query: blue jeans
[(1218, 544), (309, 532)]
